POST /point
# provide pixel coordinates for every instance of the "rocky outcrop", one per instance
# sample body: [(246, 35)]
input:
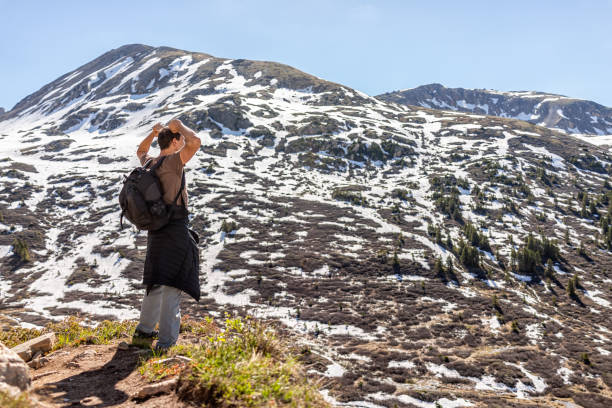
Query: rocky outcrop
[(30, 348), (230, 116), (14, 373), (553, 111)]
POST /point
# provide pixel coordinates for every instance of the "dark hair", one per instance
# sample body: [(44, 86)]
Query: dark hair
[(164, 138)]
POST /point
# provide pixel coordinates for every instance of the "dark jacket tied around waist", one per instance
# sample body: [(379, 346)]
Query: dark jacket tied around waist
[(173, 258)]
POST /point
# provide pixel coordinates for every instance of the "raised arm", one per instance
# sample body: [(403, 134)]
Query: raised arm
[(192, 142), (145, 145)]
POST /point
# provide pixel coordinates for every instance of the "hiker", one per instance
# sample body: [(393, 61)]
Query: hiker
[(172, 263)]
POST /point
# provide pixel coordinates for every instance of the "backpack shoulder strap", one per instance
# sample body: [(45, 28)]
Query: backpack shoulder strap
[(159, 163), (180, 189), (147, 163)]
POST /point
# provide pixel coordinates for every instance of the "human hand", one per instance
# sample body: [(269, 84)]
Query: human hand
[(175, 125), (157, 128)]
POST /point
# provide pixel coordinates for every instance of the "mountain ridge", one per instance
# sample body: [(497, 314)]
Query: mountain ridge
[(134, 53), (569, 115)]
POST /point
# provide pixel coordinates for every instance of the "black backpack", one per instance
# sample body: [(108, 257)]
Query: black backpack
[(141, 199)]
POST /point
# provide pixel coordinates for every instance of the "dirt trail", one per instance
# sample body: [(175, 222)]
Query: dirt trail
[(94, 376)]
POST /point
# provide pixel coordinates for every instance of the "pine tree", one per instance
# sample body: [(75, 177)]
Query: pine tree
[(576, 281), (495, 302), (550, 270), (449, 264), (438, 268), (571, 288), (592, 208), (400, 240), (396, 263), (449, 242), (583, 210)]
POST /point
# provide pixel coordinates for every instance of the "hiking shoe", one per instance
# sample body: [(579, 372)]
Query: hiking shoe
[(162, 348), (142, 335)]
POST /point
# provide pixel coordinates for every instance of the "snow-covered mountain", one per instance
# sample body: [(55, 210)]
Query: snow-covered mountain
[(425, 256), (557, 112)]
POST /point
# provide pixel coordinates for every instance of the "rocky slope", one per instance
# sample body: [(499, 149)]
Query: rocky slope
[(569, 115), (395, 238)]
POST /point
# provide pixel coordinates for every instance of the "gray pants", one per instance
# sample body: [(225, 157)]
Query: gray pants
[(162, 305)]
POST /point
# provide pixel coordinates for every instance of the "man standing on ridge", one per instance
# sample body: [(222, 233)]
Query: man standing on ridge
[(172, 263)]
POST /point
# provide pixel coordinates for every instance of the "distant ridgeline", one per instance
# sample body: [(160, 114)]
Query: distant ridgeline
[(570, 115)]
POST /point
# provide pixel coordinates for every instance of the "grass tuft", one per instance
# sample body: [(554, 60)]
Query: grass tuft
[(17, 335), (20, 401), (246, 365), (71, 332)]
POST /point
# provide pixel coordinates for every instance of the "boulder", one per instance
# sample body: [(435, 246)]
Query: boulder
[(14, 373), (42, 343), (154, 389)]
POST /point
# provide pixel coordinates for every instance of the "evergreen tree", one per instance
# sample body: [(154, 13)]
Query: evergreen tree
[(468, 255), (535, 251), (449, 264), (592, 208), (576, 281), (20, 248), (571, 288), (396, 263), (550, 270), (438, 268), (512, 258)]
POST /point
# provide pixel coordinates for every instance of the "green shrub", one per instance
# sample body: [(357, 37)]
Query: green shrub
[(351, 196), (20, 248), (228, 227), (514, 326), (584, 357)]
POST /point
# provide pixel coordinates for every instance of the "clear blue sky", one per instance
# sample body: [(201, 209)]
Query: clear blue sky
[(375, 46)]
